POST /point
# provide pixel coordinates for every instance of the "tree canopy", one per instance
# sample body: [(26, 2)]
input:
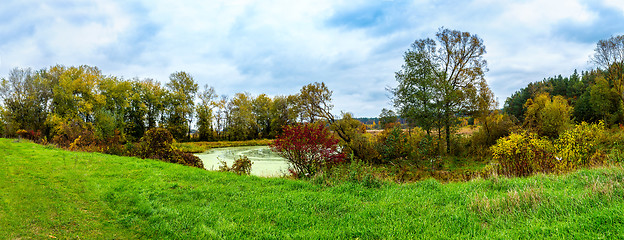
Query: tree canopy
[(439, 78)]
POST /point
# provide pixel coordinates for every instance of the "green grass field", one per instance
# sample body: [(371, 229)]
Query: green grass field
[(49, 193)]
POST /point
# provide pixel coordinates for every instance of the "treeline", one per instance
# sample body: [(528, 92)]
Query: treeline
[(60, 104), (591, 96)]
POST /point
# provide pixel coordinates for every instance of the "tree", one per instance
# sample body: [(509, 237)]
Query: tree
[(609, 55), (261, 108), (416, 96), (242, 122), (387, 118), (308, 148), (315, 102), (204, 113), (599, 102), (75, 97), (183, 89), (221, 114), (26, 99), (548, 116), (153, 97), (483, 110), (115, 114), (353, 140), (136, 114), (441, 74), (284, 111)]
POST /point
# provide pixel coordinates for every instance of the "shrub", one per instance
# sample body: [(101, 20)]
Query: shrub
[(522, 154), (76, 135), (189, 159), (493, 127), (157, 143), (425, 153), (30, 135), (365, 146), (576, 147), (241, 166), (393, 145), (354, 140), (308, 148)]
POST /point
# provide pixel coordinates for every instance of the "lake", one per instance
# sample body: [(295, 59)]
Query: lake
[(266, 163)]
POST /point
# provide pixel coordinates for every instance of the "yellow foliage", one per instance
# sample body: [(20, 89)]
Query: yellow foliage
[(576, 146), (521, 154)]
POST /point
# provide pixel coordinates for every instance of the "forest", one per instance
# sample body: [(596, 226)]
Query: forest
[(445, 123)]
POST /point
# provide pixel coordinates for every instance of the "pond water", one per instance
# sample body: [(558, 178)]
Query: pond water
[(266, 163)]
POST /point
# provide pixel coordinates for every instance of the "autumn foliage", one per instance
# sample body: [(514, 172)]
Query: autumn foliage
[(308, 148)]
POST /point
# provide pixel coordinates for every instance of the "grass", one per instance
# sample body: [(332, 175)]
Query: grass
[(47, 192), (198, 147)]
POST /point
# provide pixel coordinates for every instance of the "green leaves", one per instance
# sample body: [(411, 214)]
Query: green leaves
[(440, 79)]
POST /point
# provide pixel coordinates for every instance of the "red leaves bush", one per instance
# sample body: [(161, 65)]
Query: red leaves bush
[(30, 135), (308, 148)]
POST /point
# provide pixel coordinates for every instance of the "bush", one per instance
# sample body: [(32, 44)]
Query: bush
[(393, 145), (365, 146), (425, 153), (308, 148), (493, 127), (241, 166), (157, 143), (30, 135), (577, 146), (354, 140), (522, 154), (76, 135)]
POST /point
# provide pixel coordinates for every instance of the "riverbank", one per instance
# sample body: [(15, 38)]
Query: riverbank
[(200, 147)]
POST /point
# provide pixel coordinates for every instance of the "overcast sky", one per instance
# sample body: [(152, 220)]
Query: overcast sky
[(276, 47)]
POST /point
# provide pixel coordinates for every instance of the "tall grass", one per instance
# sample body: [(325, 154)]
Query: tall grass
[(47, 192)]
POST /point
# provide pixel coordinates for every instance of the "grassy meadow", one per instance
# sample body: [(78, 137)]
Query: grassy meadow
[(48, 193)]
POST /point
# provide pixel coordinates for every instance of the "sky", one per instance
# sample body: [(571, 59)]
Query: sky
[(277, 47)]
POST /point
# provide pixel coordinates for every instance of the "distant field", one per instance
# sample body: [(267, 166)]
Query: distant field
[(48, 193)]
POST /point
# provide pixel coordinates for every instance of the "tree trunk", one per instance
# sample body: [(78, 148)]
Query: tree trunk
[(448, 135)]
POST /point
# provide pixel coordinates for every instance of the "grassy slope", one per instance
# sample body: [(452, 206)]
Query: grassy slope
[(49, 192)]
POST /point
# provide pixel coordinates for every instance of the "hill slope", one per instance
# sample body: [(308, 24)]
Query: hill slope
[(47, 192)]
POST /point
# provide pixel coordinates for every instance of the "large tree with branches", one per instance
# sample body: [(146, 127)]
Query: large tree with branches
[(609, 56), (440, 79)]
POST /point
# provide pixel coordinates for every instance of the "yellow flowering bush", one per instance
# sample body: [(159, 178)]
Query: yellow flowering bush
[(524, 153), (576, 146)]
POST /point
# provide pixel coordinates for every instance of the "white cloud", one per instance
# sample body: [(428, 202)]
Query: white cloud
[(276, 47), (617, 4)]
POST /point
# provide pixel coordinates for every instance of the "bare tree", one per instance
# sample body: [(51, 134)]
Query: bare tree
[(609, 56)]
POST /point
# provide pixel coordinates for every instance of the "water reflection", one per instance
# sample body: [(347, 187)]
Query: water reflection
[(266, 163)]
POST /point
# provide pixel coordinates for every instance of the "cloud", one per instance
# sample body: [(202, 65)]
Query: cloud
[(276, 47)]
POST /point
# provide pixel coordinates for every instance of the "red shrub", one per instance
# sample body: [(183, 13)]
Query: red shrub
[(30, 135), (308, 148)]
